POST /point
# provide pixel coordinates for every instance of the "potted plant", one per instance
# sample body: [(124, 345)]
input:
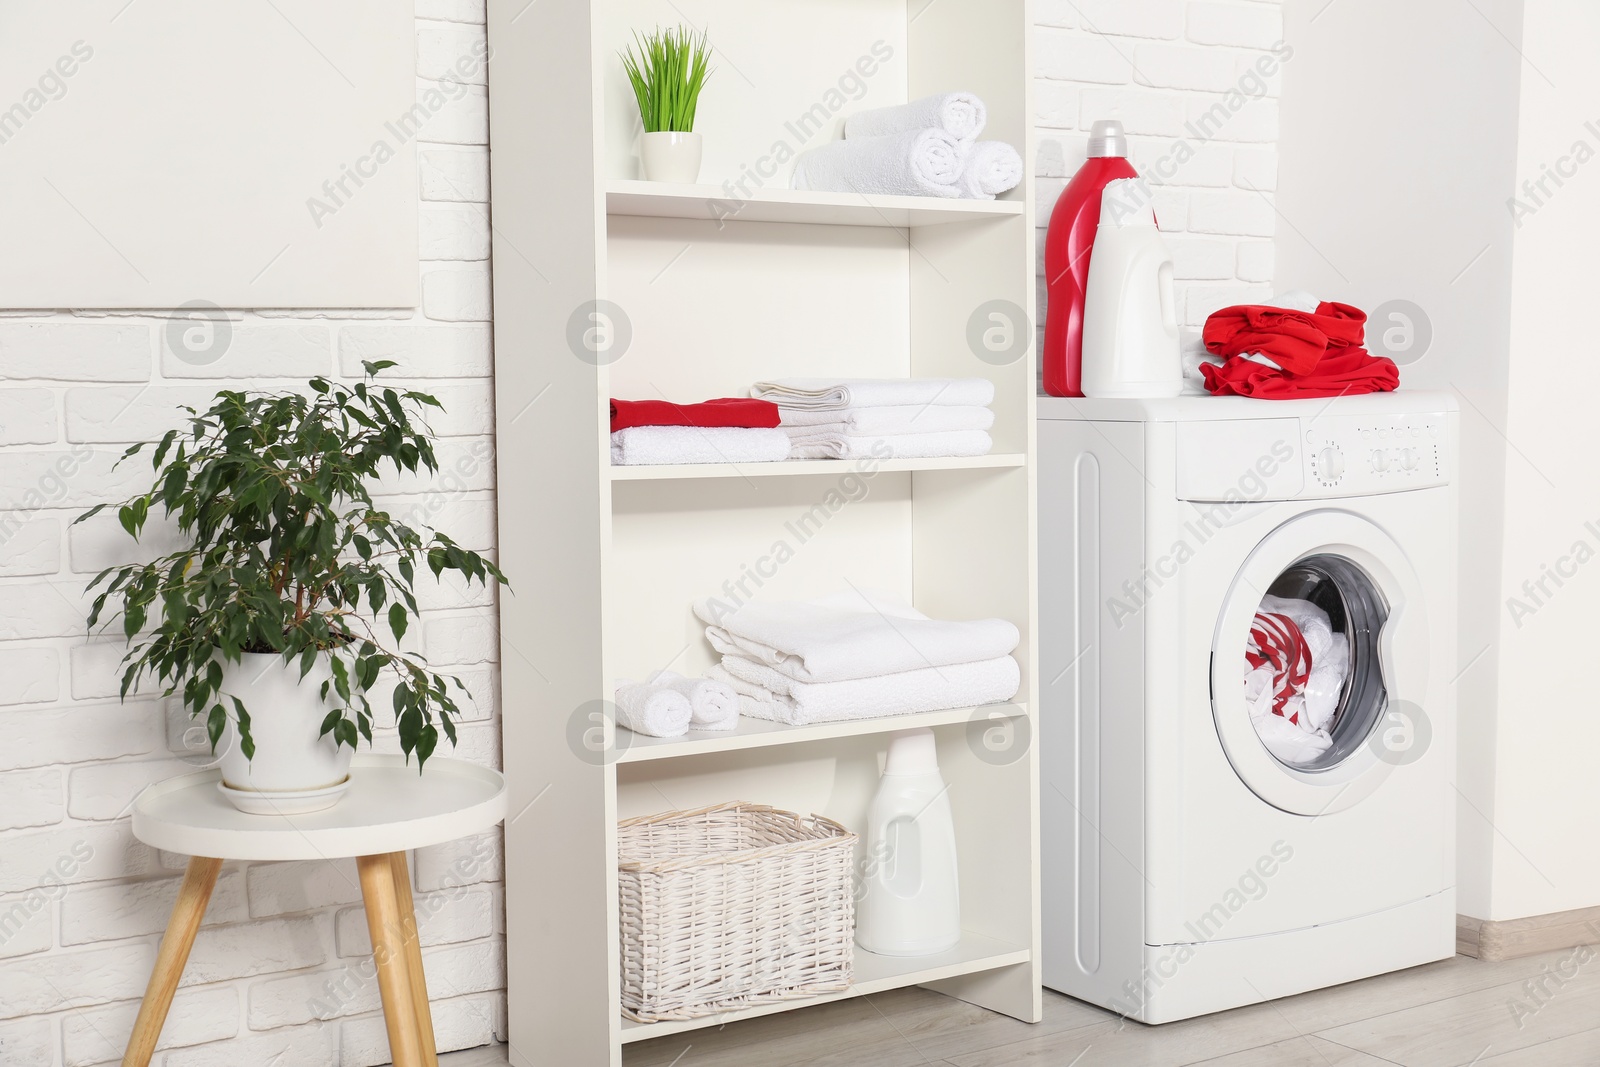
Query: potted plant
[(285, 608), (667, 74)]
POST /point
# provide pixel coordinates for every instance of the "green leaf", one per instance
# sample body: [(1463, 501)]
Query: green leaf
[(397, 620), (372, 367), (216, 722), (330, 721), (427, 741)]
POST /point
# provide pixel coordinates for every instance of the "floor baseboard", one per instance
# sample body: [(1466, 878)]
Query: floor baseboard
[(1511, 939)]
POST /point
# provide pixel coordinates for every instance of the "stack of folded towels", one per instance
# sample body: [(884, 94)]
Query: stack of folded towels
[(728, 430), (856, 656), (668, 705), (883, 418), (926, 148)]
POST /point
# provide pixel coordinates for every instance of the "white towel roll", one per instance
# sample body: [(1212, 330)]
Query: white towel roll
[(990, 167), (652, 710), (914, 163), (713, 705), (962, 115)]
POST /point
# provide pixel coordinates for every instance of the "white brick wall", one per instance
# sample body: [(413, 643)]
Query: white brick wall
[(1161, 67), (82, 904)]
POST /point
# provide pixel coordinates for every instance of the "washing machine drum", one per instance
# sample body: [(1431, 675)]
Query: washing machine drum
[(1315, 679)]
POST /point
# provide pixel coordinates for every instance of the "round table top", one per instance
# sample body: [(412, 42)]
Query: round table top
[(388, 808)]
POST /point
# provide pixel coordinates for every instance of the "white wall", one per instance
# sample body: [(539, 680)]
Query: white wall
[(1396, 183), (1547, 799), (1159, 66), (75, 387)]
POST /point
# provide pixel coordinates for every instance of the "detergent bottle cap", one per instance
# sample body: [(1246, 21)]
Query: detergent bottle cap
[(1107, 138), (912, 752)]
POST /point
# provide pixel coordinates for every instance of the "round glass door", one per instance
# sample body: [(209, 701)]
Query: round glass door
[(1312, 666), (1321, 631)]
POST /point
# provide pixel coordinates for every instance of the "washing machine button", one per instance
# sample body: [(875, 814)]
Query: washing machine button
[(1380, 460)]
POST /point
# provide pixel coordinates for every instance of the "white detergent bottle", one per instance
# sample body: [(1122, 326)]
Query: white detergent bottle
[(1131, 346), (910, 895)]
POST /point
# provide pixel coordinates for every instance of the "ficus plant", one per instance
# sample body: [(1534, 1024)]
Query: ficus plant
[(667, 71), (287, 554)]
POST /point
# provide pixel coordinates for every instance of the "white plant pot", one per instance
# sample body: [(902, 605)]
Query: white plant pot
[(294, 770), (671, 157)]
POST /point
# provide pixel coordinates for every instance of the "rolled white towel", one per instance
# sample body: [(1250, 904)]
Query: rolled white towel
[(892, 446), (914, 163), (962, 115), (644, 445), (837, 394), (990, 167), (713, 705), (899, 418), (652, 710)]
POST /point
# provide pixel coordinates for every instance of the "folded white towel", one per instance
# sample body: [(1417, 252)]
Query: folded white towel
[(652, 710), (830, 445), (916, 163), (901, 418), (696, 444), (767, 694), (849, 635), (962, 115), (990, 167), (713, 705), (837, 394)]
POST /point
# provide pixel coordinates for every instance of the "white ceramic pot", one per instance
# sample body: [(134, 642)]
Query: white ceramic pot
[(671, 157), (293, 767)]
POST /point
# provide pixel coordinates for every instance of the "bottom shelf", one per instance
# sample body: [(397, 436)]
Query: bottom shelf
[(873, 973)]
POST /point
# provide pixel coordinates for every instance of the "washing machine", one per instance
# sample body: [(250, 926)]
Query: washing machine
[(1188, 864)]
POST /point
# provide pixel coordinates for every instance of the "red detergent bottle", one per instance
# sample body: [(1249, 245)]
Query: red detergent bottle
[(1067, 248)]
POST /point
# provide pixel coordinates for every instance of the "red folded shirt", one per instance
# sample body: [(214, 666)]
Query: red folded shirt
[(1343, 371), (1294, 340), (728, 411)]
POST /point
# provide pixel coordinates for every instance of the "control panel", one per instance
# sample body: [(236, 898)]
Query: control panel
[(1358, 454), (1312, 456)]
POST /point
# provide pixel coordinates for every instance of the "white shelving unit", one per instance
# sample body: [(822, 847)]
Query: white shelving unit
[(714, 287)]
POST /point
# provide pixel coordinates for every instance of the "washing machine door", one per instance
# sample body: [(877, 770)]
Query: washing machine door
[(1347, 600)]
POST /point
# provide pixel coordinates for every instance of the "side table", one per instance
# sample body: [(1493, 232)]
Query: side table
[(388, 810)]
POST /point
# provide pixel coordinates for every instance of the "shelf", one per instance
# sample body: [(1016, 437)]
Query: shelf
[(874, 974), (802, 467), (759, 733), (712, 203)]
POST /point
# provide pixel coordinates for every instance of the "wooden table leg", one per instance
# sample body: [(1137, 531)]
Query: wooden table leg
[(187, 912), (413, 943), (389, 953)]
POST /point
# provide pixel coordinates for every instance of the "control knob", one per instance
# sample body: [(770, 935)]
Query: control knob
[(1330, 464), (1380, 460)]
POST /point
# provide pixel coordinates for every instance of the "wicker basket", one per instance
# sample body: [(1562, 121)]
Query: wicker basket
[(731, 906)]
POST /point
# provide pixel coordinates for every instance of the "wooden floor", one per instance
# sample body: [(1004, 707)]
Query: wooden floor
[(1543, 1011)]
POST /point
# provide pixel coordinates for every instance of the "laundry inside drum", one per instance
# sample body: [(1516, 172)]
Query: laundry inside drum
[(1313, 673)]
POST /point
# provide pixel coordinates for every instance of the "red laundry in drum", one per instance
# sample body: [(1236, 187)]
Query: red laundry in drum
[(1342, 372), (727, 411), (1295, 340), (1276, 642)]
